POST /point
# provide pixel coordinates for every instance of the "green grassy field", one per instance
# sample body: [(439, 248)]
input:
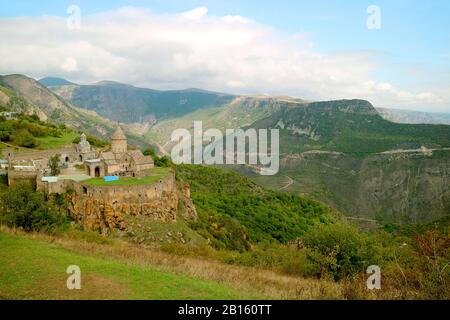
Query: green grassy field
[(157, 173), (36, 269), (50, 142)]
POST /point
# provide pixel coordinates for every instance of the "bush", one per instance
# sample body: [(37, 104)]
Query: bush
[(340, 250), (25, 139), (22, 206), (163, 161), (434, 253), (53, 164), (150, 152)]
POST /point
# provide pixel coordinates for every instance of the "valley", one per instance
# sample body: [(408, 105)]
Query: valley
[(214, 154), (329, 149)]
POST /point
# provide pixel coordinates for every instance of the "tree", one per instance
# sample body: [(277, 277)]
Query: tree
[(25, 139), (163, 161), (53, 163), (22, 206), (150, 152)]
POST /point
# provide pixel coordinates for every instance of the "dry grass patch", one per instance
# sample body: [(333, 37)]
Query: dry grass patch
[(267, 283)]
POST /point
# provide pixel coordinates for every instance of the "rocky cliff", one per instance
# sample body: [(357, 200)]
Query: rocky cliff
[(392, 187), (105, 208)]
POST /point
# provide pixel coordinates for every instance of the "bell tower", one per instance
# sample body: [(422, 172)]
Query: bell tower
[(119, 141)]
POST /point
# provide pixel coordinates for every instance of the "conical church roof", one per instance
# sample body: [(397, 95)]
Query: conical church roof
[(118, 135)]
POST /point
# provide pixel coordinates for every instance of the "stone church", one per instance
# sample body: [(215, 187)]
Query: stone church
[(119, 161)]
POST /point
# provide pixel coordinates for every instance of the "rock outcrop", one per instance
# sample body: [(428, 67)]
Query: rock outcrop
[(104, 208)]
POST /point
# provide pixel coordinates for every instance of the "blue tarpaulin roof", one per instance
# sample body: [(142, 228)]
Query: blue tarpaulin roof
[(110, 178)]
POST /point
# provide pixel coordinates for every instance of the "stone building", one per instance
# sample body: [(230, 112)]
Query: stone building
[(68, 154), (119, 161), (81, 152), (32, 165)]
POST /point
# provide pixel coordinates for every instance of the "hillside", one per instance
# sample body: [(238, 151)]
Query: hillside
[(102, 277), (24, 94), (390, 188), (54, 81), (235, 212), (247, 242), (126, 103), (27, 132), (345, 154), (349, 126), (241, 112), (409, 116), (322, 144)]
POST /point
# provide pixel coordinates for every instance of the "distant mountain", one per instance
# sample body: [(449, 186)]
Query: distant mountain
[(243, 111), (342, 153), (349, 126), (23, 94), (409, 116), (126, 103), (345, 154), (53, 81)]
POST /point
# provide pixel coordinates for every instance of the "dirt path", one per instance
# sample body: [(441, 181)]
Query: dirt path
[(290, 182)]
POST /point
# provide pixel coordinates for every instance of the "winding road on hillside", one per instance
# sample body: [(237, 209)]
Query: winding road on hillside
[(288, 184)]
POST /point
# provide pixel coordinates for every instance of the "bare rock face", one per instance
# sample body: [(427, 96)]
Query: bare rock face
[(409, 187), (189, 212), (104, 208), (4, 99)]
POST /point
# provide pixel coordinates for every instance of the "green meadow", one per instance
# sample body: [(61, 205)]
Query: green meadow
[(36, 269)]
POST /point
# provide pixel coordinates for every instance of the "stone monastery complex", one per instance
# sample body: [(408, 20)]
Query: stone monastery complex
[(118, 161), (138, 189)]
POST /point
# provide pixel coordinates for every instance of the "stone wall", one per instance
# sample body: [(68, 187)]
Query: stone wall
[(75, 156), (16, 176), (34, 154), (104, 208), (58, 187)]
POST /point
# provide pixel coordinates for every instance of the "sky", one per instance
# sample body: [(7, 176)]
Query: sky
[(394, 53)]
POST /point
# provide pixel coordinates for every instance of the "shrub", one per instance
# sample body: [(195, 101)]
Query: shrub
[(163, 161), (150, 152), (53, 163), (22, 206), (339, 249), (434, 253), (25, 139)]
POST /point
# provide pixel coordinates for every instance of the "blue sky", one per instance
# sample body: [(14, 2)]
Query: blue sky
[(412, 31), (412, 48)]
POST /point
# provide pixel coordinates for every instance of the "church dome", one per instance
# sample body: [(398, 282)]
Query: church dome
[(118, 135), (119, 141), (84, 145)]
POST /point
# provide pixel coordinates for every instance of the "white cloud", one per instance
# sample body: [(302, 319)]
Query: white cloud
[(233, 19), (195, 14), (194, 49), (70, 65)]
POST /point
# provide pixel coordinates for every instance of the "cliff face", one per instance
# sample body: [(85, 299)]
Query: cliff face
[(401, 187), (105, 208)]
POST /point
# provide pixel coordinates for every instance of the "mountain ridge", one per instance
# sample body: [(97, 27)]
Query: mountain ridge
[(27, 95), (127, 103)]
